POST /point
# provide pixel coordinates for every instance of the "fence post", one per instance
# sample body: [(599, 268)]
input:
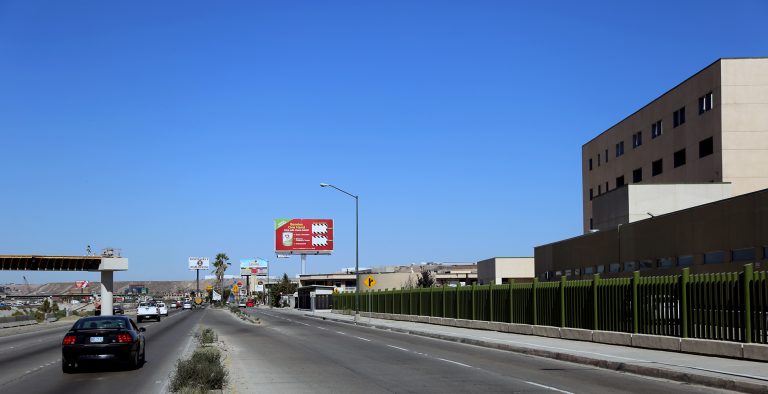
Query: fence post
[(533, 299), (684, 279), (443, 314), (595, 303), (562, 300), (490, 301), (511, 304), (458, 288), (635, 306), (748, 276), (474, 308), (432, 301)]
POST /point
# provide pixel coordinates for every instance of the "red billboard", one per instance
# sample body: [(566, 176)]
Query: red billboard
[(303, 236)]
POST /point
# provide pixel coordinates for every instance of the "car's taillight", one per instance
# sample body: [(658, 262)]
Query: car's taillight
[(69, 340), (124, 338)]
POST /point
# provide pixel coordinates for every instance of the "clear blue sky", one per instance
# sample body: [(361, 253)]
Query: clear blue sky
[(183, 128)]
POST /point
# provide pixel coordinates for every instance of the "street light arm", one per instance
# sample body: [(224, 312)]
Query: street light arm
[(343, 191)]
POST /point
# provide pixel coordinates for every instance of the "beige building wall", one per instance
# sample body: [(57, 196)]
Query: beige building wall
[(744, 108), (388, 280), (642, 201), (737, 122), (500, 270)]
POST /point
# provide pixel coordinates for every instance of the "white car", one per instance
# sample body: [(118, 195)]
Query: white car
[(187, 305), (162, 308), (147, 310)]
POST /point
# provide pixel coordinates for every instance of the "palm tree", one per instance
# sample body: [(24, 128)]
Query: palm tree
[(221, 264)]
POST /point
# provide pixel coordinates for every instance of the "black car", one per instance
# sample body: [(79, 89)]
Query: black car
[(103, 338), (117, 309)]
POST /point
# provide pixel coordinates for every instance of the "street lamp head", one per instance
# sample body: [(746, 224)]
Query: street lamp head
[(324, 185)]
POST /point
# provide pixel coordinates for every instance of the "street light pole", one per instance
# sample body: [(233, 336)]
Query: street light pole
[(357, 249)]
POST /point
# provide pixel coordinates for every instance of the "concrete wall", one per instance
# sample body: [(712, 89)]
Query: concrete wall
[(744, 108), (735, 223), (635, 202)]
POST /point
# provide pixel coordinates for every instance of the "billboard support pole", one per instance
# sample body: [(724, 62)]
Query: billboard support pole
[(303, 263), (197, 292)]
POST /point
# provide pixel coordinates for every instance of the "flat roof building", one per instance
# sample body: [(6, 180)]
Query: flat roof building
[(712, 128), (682, 182)]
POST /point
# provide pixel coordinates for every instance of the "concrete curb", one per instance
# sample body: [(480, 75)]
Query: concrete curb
[(655, 372)]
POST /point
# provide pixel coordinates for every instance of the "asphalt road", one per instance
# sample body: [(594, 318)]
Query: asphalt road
[(289, 353), (31, 362)]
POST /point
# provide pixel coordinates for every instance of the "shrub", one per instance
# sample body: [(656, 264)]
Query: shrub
[(199, 373), (207, 337)]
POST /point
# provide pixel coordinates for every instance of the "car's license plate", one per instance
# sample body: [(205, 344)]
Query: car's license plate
[(97, 339)]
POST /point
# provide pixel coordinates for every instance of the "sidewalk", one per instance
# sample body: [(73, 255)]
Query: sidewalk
[(724, 373)]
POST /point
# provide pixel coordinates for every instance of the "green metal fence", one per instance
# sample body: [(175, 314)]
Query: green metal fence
[(723, 306)]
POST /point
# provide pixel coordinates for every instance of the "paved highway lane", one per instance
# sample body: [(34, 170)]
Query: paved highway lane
[(31, 363), (292, 353)]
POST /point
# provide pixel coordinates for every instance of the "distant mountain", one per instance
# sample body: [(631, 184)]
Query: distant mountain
[(154, 286)]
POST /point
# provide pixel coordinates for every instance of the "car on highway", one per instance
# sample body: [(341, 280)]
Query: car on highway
[(117, 309), (249, 304), (147, 310), (187, 305), (241, 304), (162, 308), (103, 338)]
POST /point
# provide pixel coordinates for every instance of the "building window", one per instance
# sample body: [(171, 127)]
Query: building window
[(679, 158), (745, 254), (637, 175), (646, 264), (637, 139), (567, 273), (716, 257), (656, 129), (599, 190), (591, 224), (765, 252), (606, 186), (685, 261), (600, 269), (705, 103), (706, 147), (606, 155), (620, 181), (589, 270), (678, 117), (666, 262), (657, 167), (619, 149), (591, 194), (629, 266), (598, 160), (614, 267), (590, 164)]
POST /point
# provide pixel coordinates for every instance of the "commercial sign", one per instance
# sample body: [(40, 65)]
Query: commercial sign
[(81, 284), (303, 236), (199, 263), (253, 263)]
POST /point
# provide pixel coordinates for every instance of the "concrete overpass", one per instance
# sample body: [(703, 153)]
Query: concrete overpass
[(106, 265)]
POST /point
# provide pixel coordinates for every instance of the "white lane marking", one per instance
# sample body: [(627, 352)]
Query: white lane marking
[(398, 348), (363, 339), (454, 362), (342, 333), (547, 387)]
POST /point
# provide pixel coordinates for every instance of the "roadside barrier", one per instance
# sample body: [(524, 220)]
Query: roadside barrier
[(723, 306)]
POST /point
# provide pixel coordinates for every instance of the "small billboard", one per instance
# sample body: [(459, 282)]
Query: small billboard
[(303, 236), (81, 284), (199, 263)]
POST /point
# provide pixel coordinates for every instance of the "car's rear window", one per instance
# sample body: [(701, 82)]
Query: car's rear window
[(146, 304), (105, 322)]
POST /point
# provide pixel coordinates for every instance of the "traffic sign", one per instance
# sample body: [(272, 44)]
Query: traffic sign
[(370, 282), (235, 289)]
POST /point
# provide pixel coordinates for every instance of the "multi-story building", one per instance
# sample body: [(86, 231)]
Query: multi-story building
[(682, 182), (710, 129)]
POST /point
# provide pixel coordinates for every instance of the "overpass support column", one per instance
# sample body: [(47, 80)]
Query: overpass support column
[(107, 288)]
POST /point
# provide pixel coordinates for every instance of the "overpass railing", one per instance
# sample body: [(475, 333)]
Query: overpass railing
[(721, 306)]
